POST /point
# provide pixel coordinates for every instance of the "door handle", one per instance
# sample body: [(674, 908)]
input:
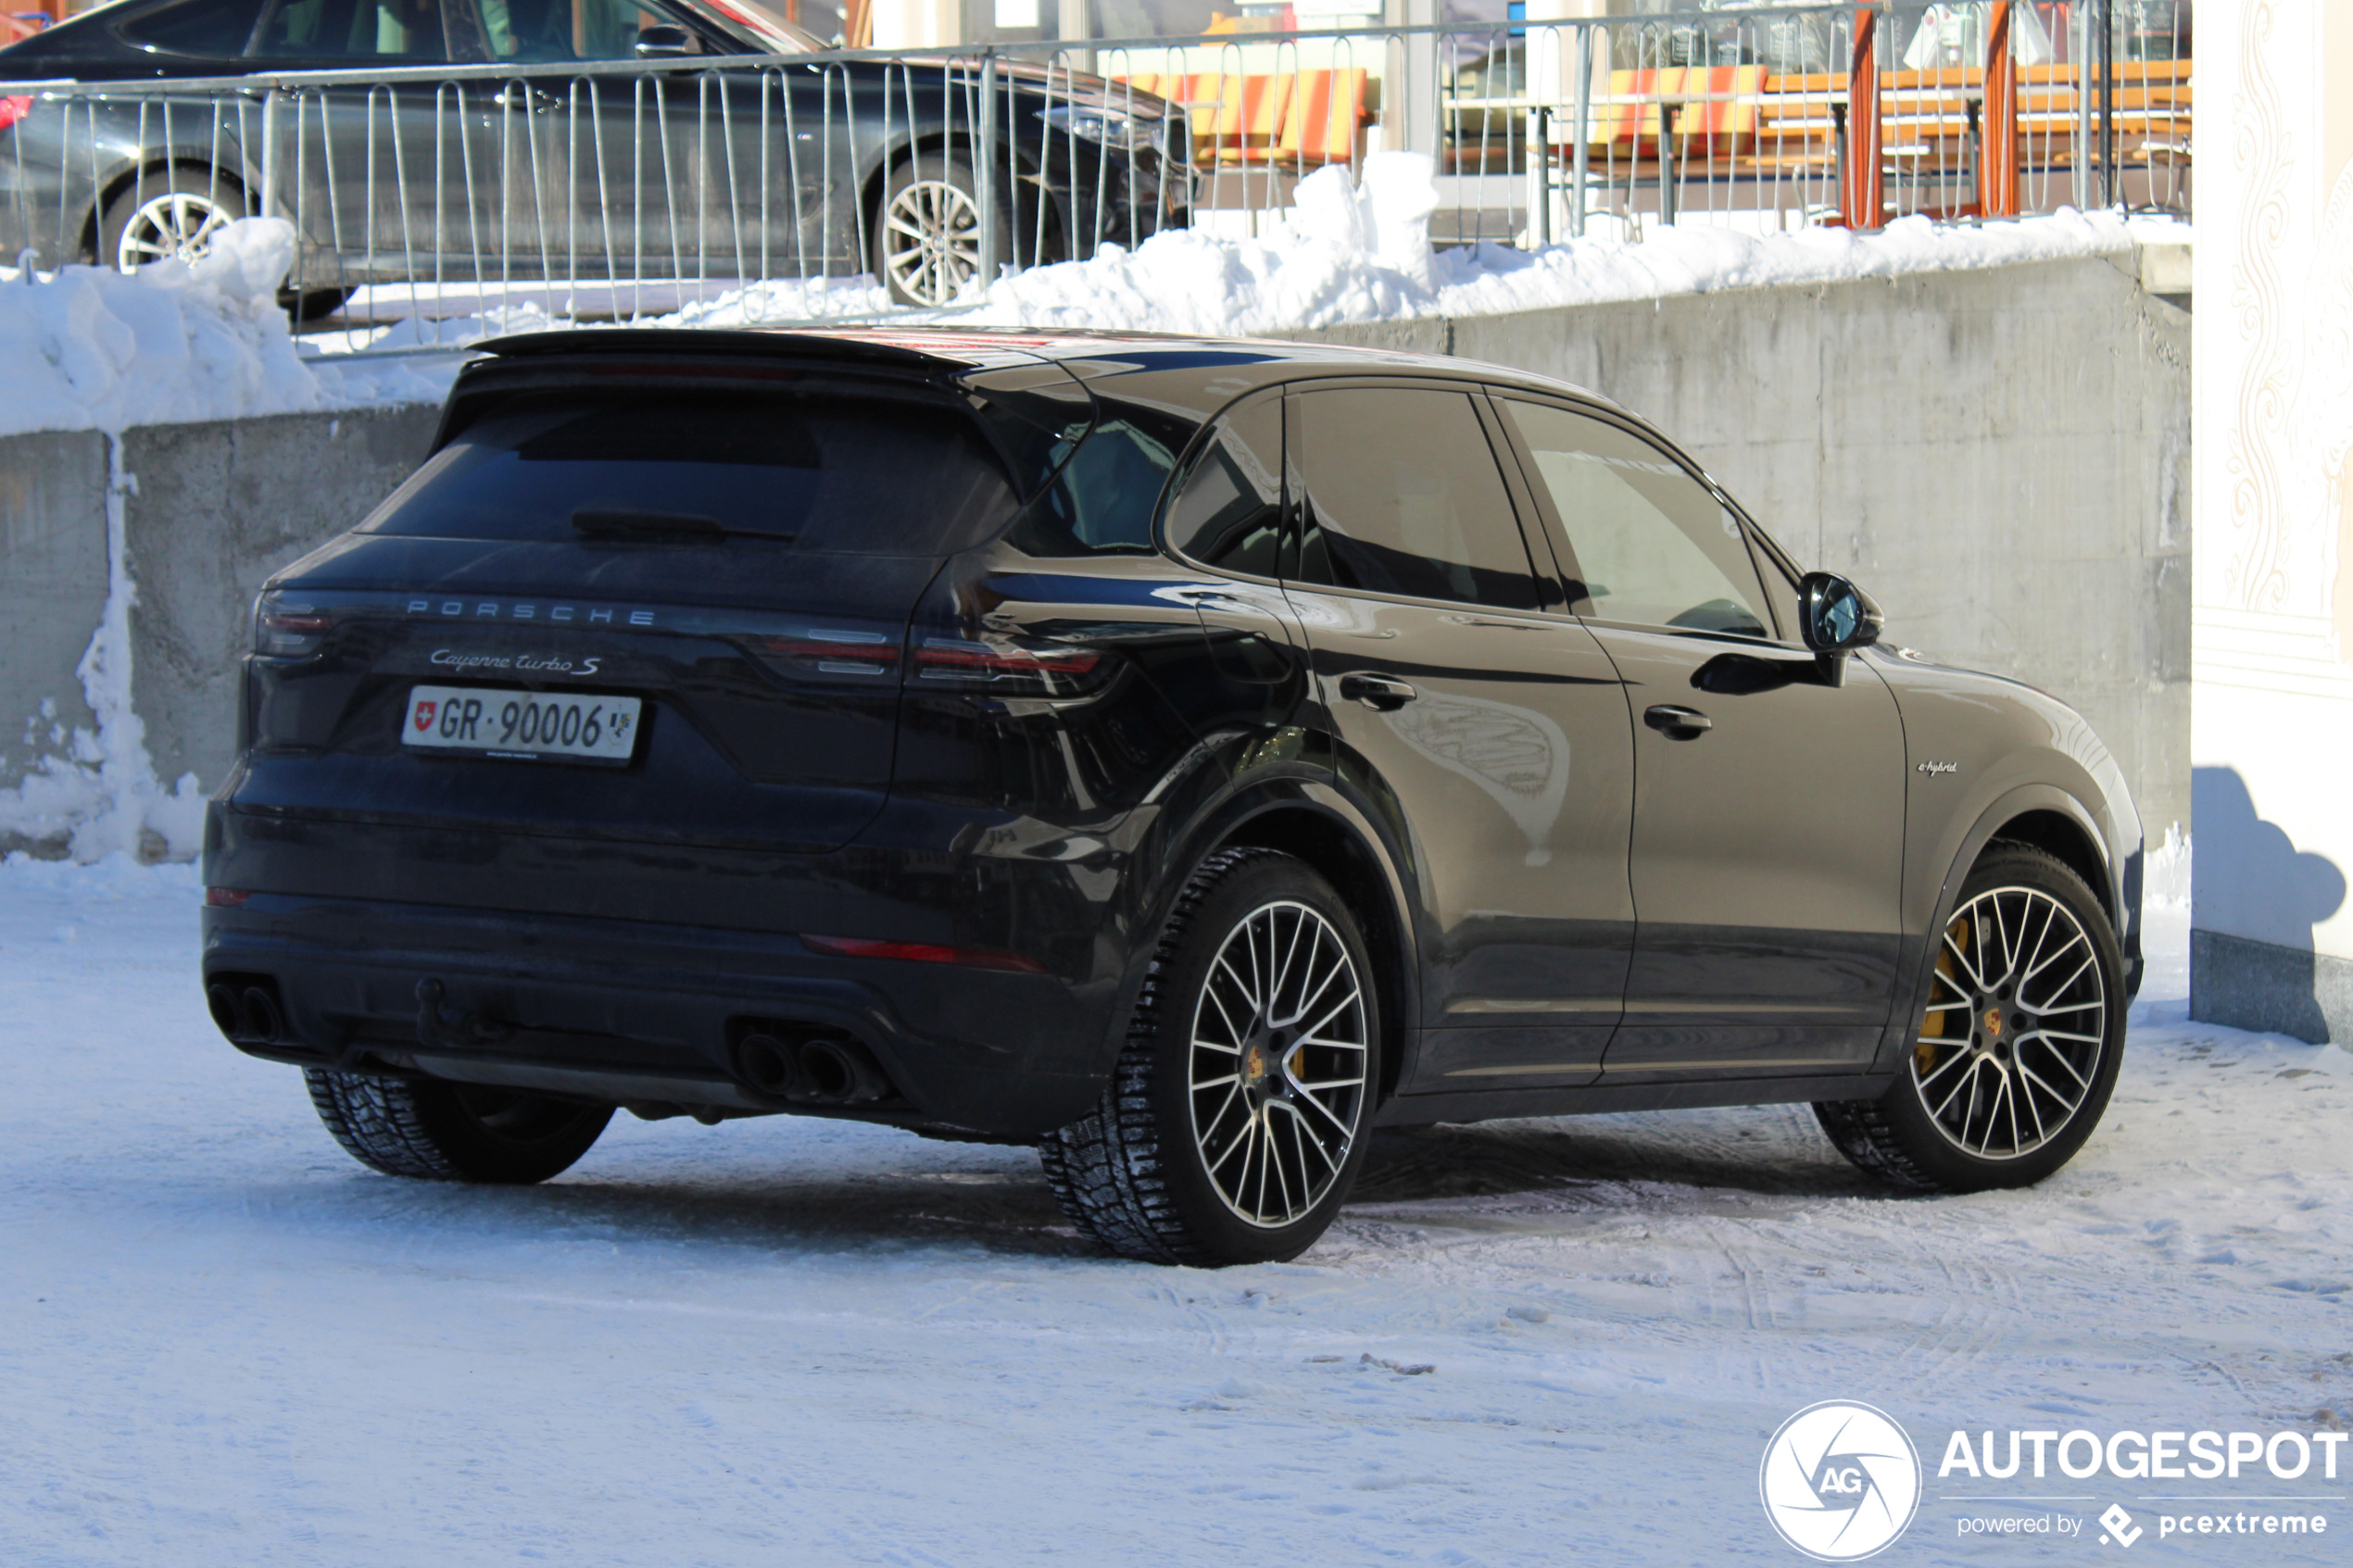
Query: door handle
[(1377, 692), (1676, 723), (526, 98)]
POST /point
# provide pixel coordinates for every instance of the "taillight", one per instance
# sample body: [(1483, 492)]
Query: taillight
[(288, 628), (13, 110), (1012, 666), (828, 651), (924, 952)]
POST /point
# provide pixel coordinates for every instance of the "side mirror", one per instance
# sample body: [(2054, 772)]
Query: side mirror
[(1835, 617), (663, 42)]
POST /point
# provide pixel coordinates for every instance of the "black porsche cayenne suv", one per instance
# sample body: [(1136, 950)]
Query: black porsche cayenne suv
[(1185, 756)]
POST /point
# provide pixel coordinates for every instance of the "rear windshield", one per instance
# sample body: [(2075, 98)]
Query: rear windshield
[(839, 475)]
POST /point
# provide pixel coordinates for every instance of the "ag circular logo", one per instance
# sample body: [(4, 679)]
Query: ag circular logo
[(1839, 1481)]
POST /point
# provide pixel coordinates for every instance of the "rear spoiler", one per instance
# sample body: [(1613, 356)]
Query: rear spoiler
[(1033, 410)]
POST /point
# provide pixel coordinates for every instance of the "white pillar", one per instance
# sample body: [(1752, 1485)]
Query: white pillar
[(918, 24), (2271, 539)]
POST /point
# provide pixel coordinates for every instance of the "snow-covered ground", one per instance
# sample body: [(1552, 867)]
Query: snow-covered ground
[(785, 1341)]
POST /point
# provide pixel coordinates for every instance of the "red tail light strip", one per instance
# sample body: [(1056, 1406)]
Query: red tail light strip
[(937, 657), (924, 952)]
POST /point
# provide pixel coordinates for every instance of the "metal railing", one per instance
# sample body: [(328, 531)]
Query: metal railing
[(631, 188)]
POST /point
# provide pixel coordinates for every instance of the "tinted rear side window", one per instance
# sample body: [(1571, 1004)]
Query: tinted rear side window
[(1230, 512), (838, 475), (1405, 497)]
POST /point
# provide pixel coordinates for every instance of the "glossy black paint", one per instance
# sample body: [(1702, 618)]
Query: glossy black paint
[(1570, 908)]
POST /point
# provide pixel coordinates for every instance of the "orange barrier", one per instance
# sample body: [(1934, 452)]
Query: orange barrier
[(1297, 119), (1714, 127)]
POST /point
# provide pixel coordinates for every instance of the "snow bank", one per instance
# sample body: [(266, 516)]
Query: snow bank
[(1353, 252), (92, 348)]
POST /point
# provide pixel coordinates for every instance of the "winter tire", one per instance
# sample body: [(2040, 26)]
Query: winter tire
[(453, 1132), (1238, 1112), (928, 231), (2019, 1043)]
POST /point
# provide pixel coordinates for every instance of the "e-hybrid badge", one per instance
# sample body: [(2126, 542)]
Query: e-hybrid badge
[(521, 726)]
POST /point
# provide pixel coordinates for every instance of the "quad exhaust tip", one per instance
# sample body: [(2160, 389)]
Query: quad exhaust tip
[(820, 1070), (245, 1008)]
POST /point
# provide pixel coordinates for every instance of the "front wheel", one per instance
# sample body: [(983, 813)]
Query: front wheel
[(928, 235), (453, 1132), (1239, 1111), (2017, 1050)]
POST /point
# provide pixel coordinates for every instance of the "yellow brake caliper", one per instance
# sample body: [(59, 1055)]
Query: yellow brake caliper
[(1933, 1024)]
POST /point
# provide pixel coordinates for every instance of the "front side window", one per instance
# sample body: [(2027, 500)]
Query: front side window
[(1404, 497), (1653, 544), (552, 30), (1230, 512)]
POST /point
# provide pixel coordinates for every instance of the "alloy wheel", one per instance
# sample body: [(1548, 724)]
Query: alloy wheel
[(1279, 1047), (177, 224), (931, 241), (2009, 1045)]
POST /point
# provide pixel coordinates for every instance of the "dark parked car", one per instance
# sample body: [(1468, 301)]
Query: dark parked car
[(554, 168), (1183, 755)]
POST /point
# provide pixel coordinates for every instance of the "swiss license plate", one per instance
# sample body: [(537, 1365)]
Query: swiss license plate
[(521, 726)]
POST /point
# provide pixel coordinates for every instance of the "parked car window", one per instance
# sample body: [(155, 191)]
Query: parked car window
[(410, 30), (215, 28), (534, 31), (1230, 512), (840, 475), (1403, 498), (1654, 546)]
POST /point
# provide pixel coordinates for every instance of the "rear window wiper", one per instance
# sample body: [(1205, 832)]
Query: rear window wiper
[(592, 523)]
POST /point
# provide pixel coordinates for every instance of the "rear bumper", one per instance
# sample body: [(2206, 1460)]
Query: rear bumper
[(642, 1013)]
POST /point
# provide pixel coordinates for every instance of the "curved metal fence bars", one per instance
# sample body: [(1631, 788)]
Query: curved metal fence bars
[(627, 189)]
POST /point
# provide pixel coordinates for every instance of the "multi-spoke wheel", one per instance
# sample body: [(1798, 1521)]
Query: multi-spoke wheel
[(2017, 1043), (171, 216), (1279, 1039), (928, 234), (1236, 1116)]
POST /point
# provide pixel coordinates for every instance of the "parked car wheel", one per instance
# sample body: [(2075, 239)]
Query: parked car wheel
[(453, 1132), (168, 216), (1238, 1115), (2018, 1043), (928, 231)]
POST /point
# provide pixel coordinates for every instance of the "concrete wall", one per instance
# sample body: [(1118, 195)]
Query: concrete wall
[(2000, 457), (1997, 455), (53, 584), (209, 510), (219, 507)]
